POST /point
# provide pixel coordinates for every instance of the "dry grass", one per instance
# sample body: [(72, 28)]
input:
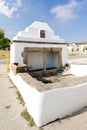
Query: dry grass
[(20, 98), (77, 53), (28, 118), (3, 54)]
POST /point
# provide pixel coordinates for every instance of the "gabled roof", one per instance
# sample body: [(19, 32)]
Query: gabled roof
[(32, 33), (39, 25)]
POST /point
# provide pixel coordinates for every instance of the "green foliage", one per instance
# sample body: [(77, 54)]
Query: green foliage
[(1, 33), (4, 42), (85, 48)]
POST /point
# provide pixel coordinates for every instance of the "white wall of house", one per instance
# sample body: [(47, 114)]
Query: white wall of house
[(76, 47)]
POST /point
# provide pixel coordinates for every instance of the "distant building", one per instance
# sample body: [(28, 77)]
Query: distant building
[(71, 47), (82, 46), (77, 47)]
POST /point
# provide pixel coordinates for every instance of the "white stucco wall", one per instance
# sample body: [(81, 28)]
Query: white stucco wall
[(47, 106), (18, 48), (33, 31), (79, 69)]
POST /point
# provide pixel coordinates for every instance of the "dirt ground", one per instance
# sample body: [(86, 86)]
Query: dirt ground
[(3, 54)]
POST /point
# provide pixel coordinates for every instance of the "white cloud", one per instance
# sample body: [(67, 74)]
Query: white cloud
[(8, 9), (19, 3), (67, 11)]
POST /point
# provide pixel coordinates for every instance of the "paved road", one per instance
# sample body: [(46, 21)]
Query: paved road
[(10, 111)]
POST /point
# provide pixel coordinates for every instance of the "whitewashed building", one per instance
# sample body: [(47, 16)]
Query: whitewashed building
[(77, 47), (39, 48)]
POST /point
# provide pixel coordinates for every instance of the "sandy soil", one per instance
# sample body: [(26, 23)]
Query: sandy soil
[(3, 54), (10, 107)]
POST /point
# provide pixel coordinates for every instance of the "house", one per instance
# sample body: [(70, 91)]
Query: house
[(77, 47), (39, 48), (71, 47), (82, 46)]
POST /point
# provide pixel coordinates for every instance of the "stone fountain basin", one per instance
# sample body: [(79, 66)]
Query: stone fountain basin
[(47, 106)]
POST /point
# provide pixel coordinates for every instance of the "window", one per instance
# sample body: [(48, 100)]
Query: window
[(42, 33)]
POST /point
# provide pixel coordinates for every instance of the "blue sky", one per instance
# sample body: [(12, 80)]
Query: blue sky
[(68, 18)]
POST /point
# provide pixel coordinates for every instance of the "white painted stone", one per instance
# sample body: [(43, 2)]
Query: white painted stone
[(79, 69), (47, 106), (43, 106), (32, 33), (17, 49)]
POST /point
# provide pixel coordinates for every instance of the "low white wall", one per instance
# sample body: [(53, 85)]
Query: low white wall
[(33, 99), (47, 106), (79, 70)]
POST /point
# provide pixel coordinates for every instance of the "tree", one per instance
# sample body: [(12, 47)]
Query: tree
[(4, 43), (2, 35)]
